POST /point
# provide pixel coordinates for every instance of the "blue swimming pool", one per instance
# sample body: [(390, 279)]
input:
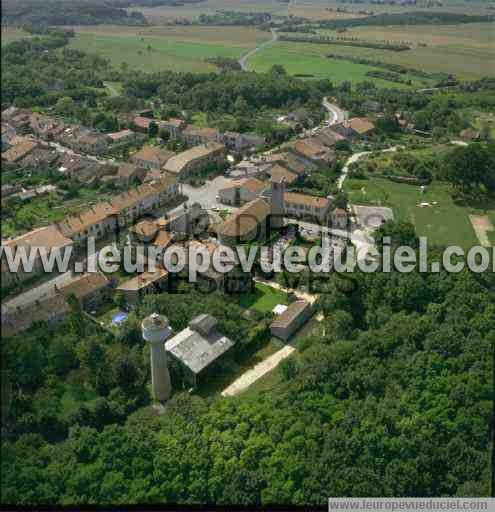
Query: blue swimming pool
[(119, 318)]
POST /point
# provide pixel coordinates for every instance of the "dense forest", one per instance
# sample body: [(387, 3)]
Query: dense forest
[(392, 396)]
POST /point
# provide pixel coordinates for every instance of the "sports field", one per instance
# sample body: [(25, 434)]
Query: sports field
[(444, 223), (154, 49)]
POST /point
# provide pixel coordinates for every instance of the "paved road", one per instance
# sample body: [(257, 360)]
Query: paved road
[(251, 376), (64, 149), (354, 158), (206, 195), (335, 113), (243, 60), (44, 290)]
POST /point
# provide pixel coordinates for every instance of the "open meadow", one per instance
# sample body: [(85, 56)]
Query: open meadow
[(444, 223), (153, 49), (310, 60), (466, 50)]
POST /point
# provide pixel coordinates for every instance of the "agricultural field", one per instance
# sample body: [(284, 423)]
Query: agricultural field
[(444, 223), (10, 34), (310, 60), (166, 48), (466, 50), (310, 9)]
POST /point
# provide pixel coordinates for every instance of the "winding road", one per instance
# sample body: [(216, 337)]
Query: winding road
[(243, 60), (336, 114)]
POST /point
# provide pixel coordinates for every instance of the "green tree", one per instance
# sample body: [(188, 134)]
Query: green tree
[(152, 129)]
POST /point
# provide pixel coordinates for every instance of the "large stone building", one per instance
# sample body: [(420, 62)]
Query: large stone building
[(196, 159), (284, 326), (249, 223), (242, 191), (196, 348), (305, 206)]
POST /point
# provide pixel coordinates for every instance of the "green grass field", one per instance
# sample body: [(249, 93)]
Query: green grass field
[(310, 59), (444, 223), (153, 49), (263, 299), (467, 50), (311, 9)]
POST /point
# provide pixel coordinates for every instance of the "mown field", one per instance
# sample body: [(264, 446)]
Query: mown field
[(158, 48), (310, 59), (466, 50), (444, 223)]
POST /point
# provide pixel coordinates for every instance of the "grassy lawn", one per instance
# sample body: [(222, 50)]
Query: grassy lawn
[(263, 299), (310, 59), (444, 223), (162, 48)]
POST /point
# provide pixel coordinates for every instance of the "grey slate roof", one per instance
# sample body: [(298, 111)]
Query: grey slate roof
[(199, 344)]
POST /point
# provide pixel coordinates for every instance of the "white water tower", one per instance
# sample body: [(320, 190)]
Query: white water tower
[(156, 330)]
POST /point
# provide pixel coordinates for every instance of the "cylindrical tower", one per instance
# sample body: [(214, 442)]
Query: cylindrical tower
[(277, 203), (156, 330)]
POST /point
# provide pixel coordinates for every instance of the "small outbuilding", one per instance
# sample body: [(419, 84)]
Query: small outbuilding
[(293, 318)]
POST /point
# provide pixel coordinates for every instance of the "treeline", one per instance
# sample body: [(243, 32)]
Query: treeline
[(407, 18), (392, 396), (59, 12), (225, 63), (389, 76), (396, 47), (396, 68), (235, 18)]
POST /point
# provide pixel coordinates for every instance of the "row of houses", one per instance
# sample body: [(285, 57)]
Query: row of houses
[(262, 201), (98, 221), (191, 135)]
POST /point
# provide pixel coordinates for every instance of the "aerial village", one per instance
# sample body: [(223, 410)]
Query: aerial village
[(244, 189)]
